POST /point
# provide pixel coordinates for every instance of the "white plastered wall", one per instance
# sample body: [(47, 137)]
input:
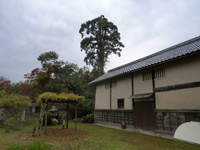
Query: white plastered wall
[(141, 86), (122, 90), (102, 97), (180, 72), (179, 99), (184, 71)]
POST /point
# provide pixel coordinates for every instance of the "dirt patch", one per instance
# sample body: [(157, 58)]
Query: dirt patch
[(54, 135)]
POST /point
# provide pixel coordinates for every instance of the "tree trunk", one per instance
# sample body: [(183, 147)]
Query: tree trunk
[(76, 108)]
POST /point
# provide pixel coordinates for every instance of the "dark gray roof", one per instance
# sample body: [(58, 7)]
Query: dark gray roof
[(174, 52)]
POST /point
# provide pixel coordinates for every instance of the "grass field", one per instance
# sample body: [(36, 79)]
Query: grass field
[(90, 137)]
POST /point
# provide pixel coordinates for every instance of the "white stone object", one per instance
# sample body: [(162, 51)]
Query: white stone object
[(189, 131), (54, 120)]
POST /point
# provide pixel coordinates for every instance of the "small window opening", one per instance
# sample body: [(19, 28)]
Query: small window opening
[(120, 103)]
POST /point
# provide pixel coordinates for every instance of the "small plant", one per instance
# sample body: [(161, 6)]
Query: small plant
[(38, 145), (88, 118), (10, 123)]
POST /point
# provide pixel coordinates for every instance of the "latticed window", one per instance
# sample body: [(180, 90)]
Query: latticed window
[(146, 76), (159, 73)]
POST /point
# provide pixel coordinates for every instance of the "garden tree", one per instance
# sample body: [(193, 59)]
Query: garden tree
[(48, 58), (65, 75), (29, 89), (4, 84), (15, 88), (58, 76), (81, 78), (25, 89), (38, 76), (101, 39), (13, 106), (54, 76)]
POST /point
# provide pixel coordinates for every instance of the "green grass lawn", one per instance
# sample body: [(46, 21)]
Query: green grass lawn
[(91, 137), (103, 138), (7, 138)]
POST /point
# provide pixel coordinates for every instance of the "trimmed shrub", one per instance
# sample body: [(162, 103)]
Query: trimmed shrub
[(10, 123), (88, 118)]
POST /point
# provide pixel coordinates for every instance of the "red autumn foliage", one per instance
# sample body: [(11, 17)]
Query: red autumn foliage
[(5, 84)]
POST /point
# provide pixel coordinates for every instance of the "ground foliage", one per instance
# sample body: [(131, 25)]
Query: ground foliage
[(36, 145), (89, 118)]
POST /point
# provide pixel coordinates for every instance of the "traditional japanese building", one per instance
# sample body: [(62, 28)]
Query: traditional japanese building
[(156, 93)]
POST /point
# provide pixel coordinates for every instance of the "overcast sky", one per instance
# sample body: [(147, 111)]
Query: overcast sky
[(29, 28)]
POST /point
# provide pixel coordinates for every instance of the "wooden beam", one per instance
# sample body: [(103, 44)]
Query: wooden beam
[(178, 86)]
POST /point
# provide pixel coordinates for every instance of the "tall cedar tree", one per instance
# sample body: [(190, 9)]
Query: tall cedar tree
[(101, 40)]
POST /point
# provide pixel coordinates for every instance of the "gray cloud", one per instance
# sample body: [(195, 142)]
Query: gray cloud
[(29, 28)]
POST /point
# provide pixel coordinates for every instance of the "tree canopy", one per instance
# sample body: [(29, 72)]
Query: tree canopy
[(58, 76), (13, 104), (48, 58), (54, 76), (100, 39), (4, 84)]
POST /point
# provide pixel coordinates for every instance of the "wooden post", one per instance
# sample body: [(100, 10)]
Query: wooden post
[(67, 115), (39, 122), (45, 131), (76, 108), (41, 119)]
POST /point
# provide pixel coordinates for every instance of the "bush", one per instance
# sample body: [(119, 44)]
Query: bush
[(10, 123), (88, 118), (38, 145)]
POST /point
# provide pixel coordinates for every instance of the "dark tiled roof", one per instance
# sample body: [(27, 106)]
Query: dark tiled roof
[(174, 52)]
